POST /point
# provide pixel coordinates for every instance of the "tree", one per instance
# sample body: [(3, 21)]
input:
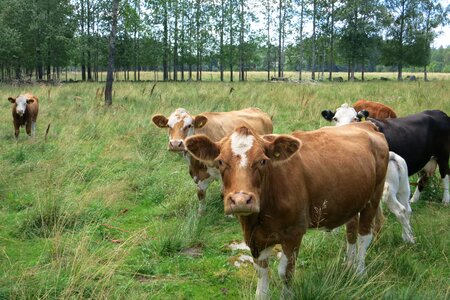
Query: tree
[(112, 49)]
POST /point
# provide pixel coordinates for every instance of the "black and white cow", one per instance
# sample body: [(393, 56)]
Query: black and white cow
[(423, 141)]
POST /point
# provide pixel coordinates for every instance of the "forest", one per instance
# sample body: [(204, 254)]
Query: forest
[(43, 40)]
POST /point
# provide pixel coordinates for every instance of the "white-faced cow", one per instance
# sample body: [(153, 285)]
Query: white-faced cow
[(422, 140), (361, 110), (396, 194), (281, 185), (25, 110), (215, 125)]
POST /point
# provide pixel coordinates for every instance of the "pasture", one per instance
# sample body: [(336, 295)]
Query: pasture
[(102, 210)]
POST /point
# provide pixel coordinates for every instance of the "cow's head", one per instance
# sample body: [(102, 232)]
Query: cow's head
[(181, 124), (244, 160), (21, 103), (345, 115)]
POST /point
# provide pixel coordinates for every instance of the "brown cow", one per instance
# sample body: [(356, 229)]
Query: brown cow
[(215, 125), (361, 109), (25, 111), (376, 110), (280, 185)]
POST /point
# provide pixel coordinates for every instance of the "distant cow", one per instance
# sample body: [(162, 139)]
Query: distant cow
[(361, 110), (280, 185), (25, 111), (215, 125), (423, 140)]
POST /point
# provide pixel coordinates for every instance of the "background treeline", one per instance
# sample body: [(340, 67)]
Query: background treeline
[(45, 39)]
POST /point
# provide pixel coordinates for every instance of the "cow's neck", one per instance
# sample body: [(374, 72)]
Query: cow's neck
[(256, 227)]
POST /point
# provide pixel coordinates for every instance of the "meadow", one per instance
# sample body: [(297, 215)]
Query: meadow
[(100, 209)]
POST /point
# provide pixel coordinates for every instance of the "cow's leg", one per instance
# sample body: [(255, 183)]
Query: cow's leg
[(286, 268), (420, 186), (367, 216), (28, 128), (261, 265), (352, 236), (33, 128), (444, 170), (427, 171), (202, 186), (401, 214)]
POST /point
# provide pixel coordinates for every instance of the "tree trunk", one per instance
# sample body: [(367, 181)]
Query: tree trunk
[(301, 43), (165, 43), (175, 43), (313, 64), (112, 49), (241, 44), (222, 29), (330, 74), (231, 39), (280, 33)]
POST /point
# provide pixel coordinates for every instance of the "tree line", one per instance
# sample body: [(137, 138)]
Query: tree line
[(42, 39)]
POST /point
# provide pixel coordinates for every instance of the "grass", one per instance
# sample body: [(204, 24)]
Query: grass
[(101, 209)]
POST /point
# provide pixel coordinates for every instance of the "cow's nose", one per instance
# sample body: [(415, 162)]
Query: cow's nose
[(176, 145), (241, 200)]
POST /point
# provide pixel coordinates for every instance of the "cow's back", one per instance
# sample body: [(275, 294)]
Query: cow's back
[(376, 110), (336, 171), (417, 137), (221, 123)]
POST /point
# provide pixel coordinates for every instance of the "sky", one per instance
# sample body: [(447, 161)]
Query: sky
[(444, 38)]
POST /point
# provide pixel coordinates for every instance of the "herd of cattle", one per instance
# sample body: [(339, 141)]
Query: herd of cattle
[(279, 185)]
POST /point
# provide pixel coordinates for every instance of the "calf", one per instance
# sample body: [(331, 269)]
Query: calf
[(25, 111), (422, 139), (215, 125), (280, 185), (396, 194)]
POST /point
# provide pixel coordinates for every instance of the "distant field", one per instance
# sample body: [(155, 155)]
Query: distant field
[(102, 210), (258, 76)]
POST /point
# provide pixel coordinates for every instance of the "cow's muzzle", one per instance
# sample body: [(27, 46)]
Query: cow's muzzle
[(241, 204), (20, 112), (176, 145)]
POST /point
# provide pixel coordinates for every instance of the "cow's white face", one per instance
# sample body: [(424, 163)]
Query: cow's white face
[(181, 125), (345, 115), (21, 105)]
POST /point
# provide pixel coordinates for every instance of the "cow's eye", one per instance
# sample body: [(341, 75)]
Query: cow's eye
[(263, 162), (220, 162), (335, 119)]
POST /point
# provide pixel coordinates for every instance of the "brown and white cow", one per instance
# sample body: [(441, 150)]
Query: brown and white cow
[(25, 110), (361, 109), (281, 185), (215, 125)]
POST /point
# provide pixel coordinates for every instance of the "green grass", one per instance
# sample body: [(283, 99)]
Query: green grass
[(101, 210)]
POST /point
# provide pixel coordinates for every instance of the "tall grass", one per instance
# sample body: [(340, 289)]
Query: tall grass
[(101, 209)]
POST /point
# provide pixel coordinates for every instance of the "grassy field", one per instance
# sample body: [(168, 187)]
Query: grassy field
[(101, 210), (254, 76)]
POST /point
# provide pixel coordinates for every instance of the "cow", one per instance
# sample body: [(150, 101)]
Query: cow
[(422, 140), (396, 189), (280, 185), (25, 110), (215, 125), (361, 110)]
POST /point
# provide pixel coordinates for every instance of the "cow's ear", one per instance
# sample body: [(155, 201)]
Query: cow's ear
[(328, 114), (11, 99), (202, 148), (31, 100), (160, 121), (362, 115), (200, 121), (282, 147)]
